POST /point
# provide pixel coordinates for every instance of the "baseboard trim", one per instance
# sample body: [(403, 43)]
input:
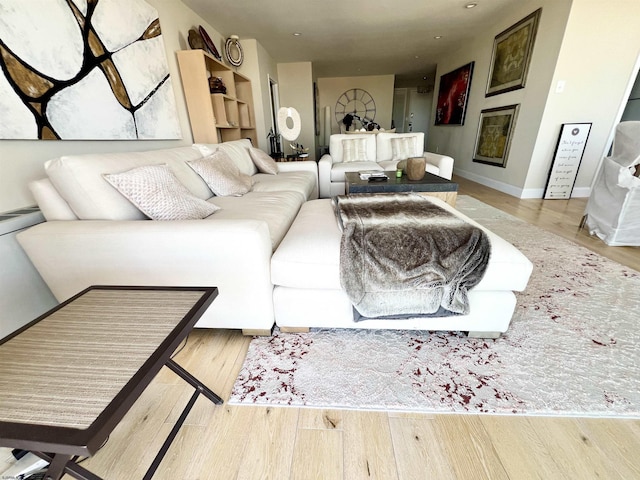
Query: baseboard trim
[(517, 192)]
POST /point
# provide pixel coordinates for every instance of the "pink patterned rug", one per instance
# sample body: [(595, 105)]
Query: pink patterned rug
[(573, 347)]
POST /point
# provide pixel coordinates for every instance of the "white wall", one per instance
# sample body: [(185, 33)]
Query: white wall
[(380, 87), (459, 141), (593, 47), (295, 87), (258, 66), (22, 160), (597, 62)]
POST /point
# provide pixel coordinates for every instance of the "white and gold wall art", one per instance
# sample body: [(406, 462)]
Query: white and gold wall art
[(84, 70)]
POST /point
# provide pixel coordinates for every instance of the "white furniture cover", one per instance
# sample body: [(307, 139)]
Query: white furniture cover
[(613, 209)]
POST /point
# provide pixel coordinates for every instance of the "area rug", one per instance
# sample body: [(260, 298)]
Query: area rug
[(573, 347)]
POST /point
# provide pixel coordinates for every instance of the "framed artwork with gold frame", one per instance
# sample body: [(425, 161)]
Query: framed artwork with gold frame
[(511, 56), (495, 131)]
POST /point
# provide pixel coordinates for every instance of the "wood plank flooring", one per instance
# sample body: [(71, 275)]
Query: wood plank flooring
[(228, 442)]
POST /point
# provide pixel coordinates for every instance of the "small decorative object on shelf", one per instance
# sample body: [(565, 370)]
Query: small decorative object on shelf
[(216, 85), (195, 40), (299, 150), (211, 48)]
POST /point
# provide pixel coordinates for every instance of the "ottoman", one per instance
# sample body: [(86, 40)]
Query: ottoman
[(305, 271)]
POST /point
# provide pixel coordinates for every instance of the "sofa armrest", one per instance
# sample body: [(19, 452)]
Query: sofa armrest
[(443, 162), (233, 255), (324, 175)]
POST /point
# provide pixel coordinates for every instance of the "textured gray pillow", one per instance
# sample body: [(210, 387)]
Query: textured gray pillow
[(222, 175), (263, 162), (158, 193)]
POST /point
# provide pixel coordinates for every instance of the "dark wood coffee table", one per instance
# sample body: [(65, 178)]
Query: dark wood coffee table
[(430, 185), (70, 376)]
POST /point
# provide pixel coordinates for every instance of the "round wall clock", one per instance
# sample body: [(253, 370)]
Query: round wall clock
[(233, 51), (357, 103)]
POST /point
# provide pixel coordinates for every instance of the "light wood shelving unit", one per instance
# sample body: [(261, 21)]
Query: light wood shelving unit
[(216, 117)]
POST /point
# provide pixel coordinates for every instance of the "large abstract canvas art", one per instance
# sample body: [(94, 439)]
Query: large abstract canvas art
[(84, 70)]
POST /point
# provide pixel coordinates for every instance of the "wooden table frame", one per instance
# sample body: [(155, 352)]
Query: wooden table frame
[(62, 446)]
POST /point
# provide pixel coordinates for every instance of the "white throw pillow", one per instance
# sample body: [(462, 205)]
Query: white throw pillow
[(222, 175), (263, 162), (354, 150), (158, 193), (403, 148)]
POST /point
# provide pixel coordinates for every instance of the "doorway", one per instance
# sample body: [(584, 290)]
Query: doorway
[(412, 110)]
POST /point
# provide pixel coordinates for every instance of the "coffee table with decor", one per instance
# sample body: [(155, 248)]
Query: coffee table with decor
[(71, 375), (429, 185)]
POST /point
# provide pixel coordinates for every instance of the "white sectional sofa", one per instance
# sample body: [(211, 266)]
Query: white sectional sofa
[(95, 236), (367, 151)]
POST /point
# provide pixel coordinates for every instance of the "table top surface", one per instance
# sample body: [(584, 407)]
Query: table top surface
[(429, 183), (74, 367)]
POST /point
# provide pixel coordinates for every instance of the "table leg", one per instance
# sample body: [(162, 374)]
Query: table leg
[(200, 389), (61, 464), (193, 381)]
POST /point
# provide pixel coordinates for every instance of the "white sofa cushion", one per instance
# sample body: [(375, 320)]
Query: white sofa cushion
[(276, 209), (79, 181), (354, 150), (303, 182), (263, 162), (238, 150), (221, 174), (384, 146), (157, 192), (403, 148), (336, 146)]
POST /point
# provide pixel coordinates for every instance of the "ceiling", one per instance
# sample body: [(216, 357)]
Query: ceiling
[(355, 37)]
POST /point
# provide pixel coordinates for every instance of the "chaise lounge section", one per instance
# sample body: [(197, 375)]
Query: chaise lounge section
[(305, 270)]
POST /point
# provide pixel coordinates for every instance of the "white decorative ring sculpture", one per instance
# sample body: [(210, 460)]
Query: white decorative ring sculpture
[(233, 51), (289, 133)]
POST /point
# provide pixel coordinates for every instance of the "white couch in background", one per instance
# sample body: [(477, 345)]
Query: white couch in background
[(94, 236), (366, 151)]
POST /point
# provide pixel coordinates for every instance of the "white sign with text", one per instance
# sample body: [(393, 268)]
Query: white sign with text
[(566, 160)]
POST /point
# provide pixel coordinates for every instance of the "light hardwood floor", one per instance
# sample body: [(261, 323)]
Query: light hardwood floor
[(227, 442)]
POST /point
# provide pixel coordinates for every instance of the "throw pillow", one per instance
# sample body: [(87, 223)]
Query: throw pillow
[(222, 175), (158, 193), (403, 148), (354, 150), (263, 162)]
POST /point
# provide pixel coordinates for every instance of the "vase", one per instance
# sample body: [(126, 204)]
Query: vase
[(416, 168)]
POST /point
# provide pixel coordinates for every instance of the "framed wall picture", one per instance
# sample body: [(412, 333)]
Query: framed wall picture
[(67, 74), (511, 56), (453, 95), (566, 160), (494, 135)]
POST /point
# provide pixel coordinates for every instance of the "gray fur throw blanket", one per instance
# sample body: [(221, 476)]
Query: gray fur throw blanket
[(401, 255)]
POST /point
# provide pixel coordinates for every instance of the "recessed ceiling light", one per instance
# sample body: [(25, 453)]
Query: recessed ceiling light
[(296, 34), (417, 56), (438, 37), (471, 5)]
